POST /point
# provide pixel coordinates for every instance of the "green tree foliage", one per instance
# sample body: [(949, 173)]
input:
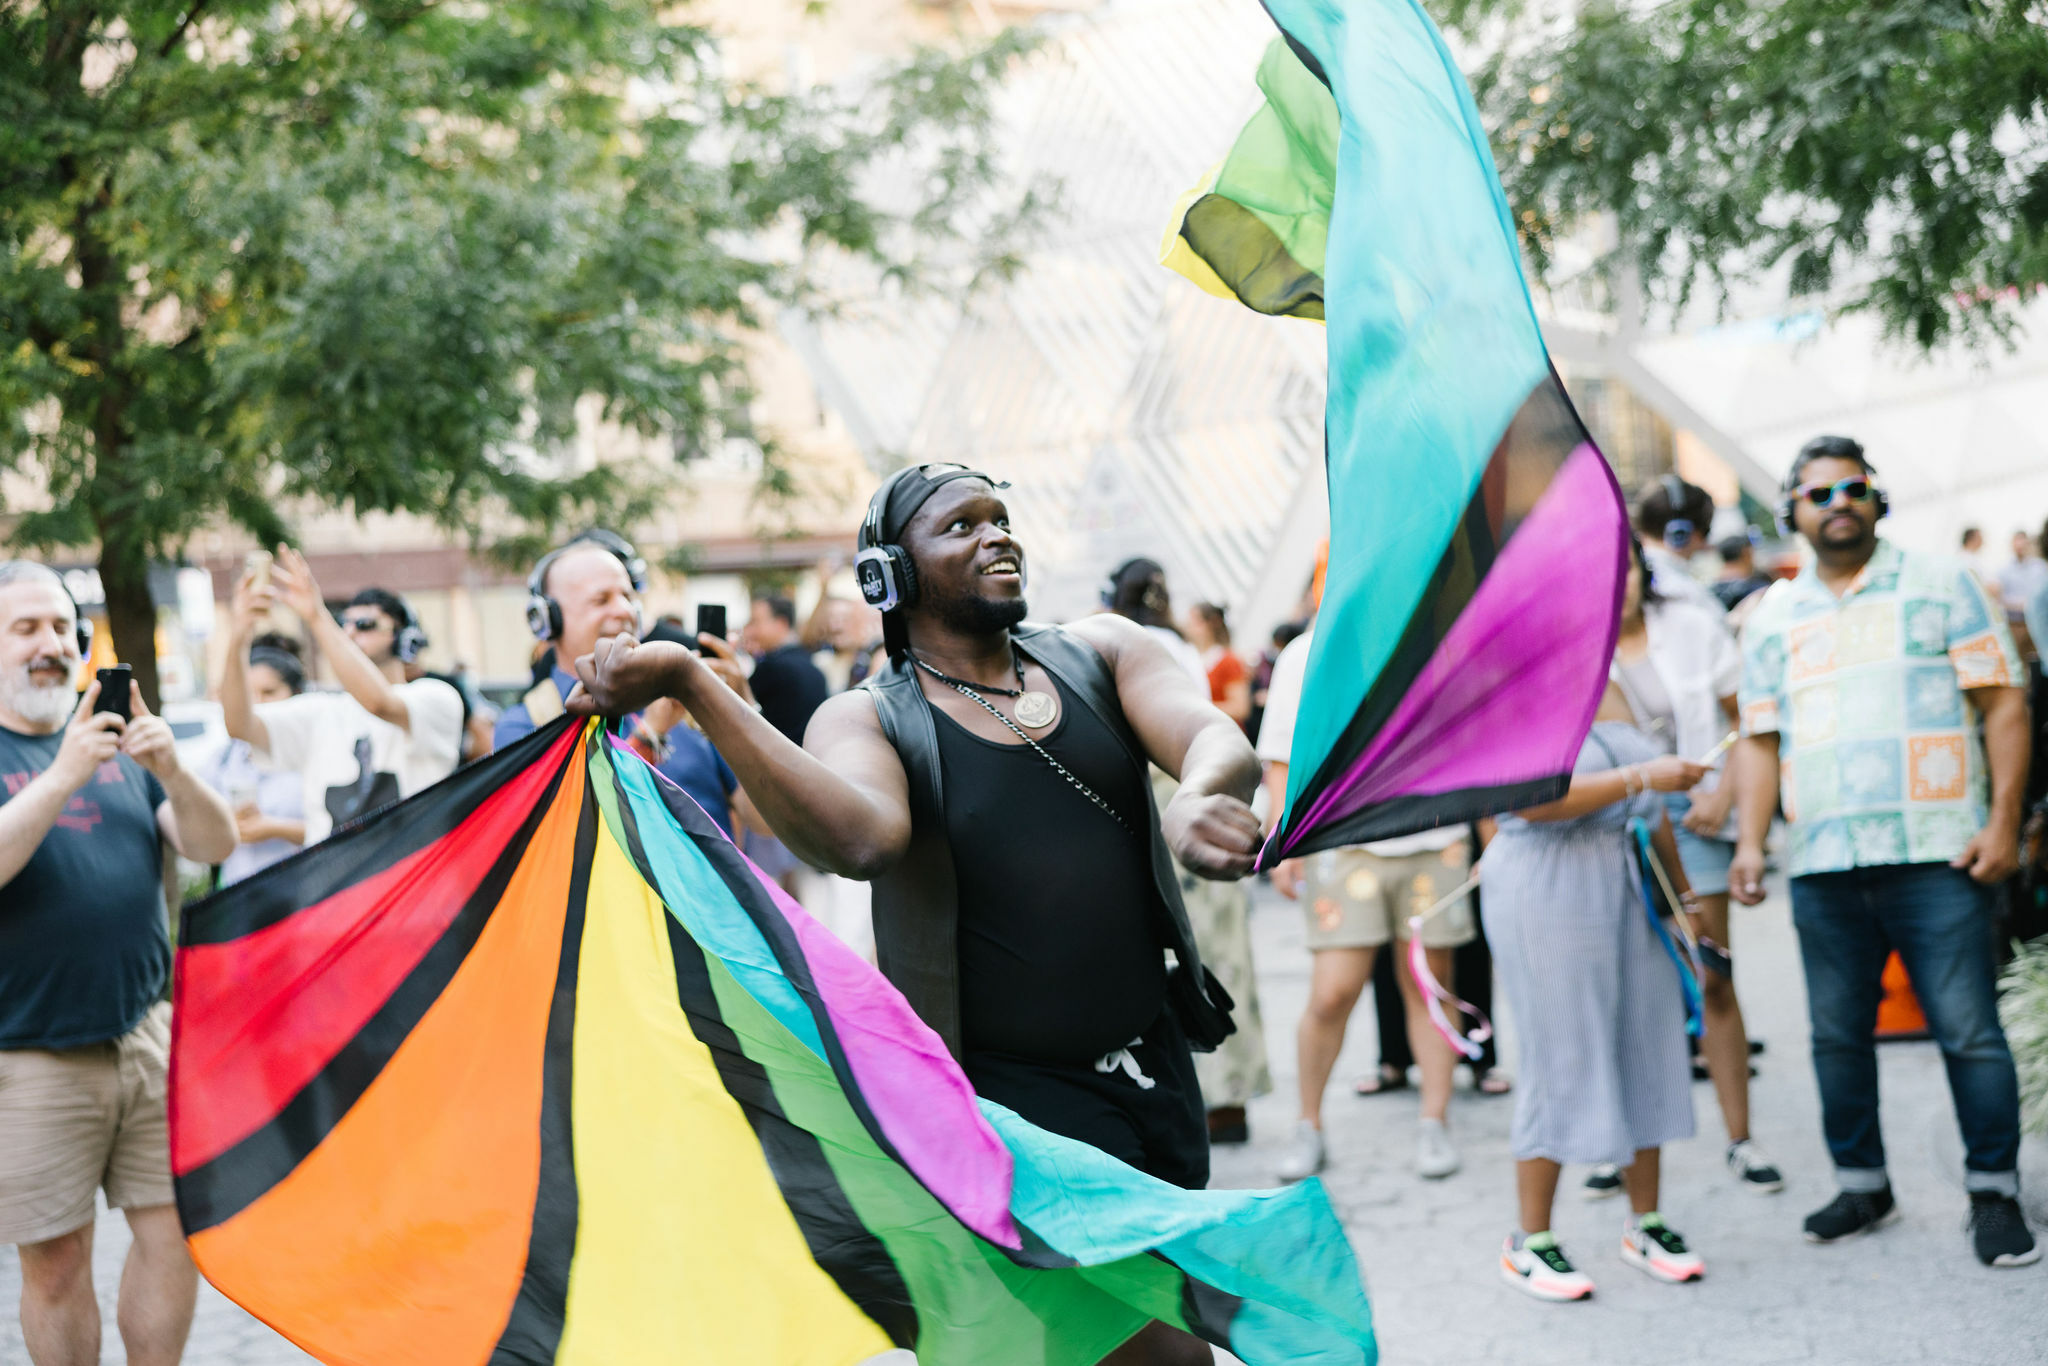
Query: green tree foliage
[(374, 252), (1890, 157)]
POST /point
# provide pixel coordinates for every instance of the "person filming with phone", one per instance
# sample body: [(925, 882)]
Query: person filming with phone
[(93, 793), (379, 740)]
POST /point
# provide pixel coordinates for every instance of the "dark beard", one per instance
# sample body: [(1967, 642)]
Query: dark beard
[(974, 615), (1863, 541)]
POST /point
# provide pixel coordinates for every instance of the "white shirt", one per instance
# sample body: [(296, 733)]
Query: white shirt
[(1276, 741), (1699, 663), (1672, 575), (350, 762), (2019, 581)]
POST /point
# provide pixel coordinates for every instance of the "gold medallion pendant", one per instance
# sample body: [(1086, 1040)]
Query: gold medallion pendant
[(1037, 710)]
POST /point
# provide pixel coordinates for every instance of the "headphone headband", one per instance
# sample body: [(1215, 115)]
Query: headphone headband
[(885, 572), (618, 546)]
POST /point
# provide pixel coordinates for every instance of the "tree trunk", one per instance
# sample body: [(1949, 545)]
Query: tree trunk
[(125, 576), (124, 559)]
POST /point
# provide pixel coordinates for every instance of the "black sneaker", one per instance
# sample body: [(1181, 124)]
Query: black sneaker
[(1755, 1171), (1851, 1213), (1603, 1182), (1999, 1231)]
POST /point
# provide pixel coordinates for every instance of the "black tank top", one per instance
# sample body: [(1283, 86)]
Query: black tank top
[(1060, 957)]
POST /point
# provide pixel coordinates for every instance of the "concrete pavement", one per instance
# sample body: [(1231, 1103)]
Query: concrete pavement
[(1910, 1296)]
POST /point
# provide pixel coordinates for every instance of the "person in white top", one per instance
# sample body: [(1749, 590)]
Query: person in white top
[(1678, 667), (1673, 517), (2023, 578), (1357, 901), (379, 740)]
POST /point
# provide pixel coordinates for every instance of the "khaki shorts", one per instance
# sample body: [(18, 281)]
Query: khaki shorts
[(1356, 900), (78, 1119)]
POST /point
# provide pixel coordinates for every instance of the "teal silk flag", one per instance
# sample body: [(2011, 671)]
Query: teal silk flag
[(1478, 543)]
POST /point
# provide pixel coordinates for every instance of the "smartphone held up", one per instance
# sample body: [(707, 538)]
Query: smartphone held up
[(114, 691)]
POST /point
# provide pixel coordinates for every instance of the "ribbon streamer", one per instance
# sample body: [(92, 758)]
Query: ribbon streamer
[(1650, 868), (1434, 994)]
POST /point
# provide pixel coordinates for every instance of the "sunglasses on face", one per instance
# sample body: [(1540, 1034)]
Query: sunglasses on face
[(364, 625), (1858, 490)]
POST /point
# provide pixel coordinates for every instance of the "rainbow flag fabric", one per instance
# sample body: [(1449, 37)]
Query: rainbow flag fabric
[(1478, 543), (535, 1067)]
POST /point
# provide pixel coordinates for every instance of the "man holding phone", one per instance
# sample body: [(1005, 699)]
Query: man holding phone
[(379, 740), (93, 791)]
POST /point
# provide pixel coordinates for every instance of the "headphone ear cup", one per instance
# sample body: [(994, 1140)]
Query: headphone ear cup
[(84, 637), (1884, 504), (543, 617), (906, 575)]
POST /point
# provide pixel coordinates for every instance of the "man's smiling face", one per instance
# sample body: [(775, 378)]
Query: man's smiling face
[(970, 569)]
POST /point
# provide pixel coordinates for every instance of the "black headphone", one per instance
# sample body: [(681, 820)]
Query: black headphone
[(1825, 448), (408, 637), (1111, 585), (543, 613), (81, 626), (1678, 531), (886, 573), (411, 637)]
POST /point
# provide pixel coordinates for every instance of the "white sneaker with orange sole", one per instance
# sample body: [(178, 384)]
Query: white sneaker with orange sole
[(1539, 1267), (1658, 1249)]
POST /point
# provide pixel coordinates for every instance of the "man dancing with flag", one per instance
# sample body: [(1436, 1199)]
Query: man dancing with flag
[(991, 782)]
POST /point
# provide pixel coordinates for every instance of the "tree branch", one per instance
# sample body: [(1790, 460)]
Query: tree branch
[(183, 24)]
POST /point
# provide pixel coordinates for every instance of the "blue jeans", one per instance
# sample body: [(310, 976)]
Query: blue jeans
[(1941, 923)]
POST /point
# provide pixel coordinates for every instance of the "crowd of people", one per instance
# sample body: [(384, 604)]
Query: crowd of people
[(1016, 820)]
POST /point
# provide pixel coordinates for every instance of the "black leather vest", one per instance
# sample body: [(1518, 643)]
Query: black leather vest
[(916, 906)]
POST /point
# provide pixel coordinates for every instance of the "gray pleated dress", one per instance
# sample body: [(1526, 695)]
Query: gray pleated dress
[(1596, 999)]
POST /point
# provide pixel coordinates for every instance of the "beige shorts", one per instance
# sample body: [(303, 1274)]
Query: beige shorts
[(78, 1119), (1356, 900)]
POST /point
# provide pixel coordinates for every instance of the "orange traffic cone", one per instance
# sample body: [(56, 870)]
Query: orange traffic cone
[(1899, 1015)]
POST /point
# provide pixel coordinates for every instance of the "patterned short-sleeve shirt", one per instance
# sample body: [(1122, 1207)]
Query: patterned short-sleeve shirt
[(1879, 745)]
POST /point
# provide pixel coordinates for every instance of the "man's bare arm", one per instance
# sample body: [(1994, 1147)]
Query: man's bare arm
[(841, 801), (1993, 854), (1753, 769), (1181, 729), (1209, 824), (26, 818)]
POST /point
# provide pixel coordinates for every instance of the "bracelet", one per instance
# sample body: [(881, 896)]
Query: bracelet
[(1688, 898), (1631, 782)]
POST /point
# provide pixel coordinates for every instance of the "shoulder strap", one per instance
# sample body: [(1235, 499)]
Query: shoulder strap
[(1081, 667), (543, 702), (1619, 678)]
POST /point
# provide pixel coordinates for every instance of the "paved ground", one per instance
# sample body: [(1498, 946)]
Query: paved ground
[(1911, 1296)]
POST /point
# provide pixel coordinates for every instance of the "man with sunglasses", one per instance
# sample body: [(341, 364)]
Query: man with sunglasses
[(1886, 684), (377, 741)]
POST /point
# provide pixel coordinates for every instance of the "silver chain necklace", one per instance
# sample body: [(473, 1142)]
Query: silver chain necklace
[(1057, 767)]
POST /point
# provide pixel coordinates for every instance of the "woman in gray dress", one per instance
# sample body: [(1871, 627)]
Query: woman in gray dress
[(1597, 1001)]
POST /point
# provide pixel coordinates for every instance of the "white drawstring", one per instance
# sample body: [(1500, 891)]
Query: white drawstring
[(1122, 1061)]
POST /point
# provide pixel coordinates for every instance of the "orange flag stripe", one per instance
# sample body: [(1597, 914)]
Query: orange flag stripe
[(388, 1210)]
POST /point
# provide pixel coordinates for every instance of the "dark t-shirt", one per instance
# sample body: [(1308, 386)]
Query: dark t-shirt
[(1060, 953), (84, 951), (789, 688), (1729, 592)]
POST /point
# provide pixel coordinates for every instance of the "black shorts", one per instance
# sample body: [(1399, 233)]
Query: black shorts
[(1162, 1130)]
